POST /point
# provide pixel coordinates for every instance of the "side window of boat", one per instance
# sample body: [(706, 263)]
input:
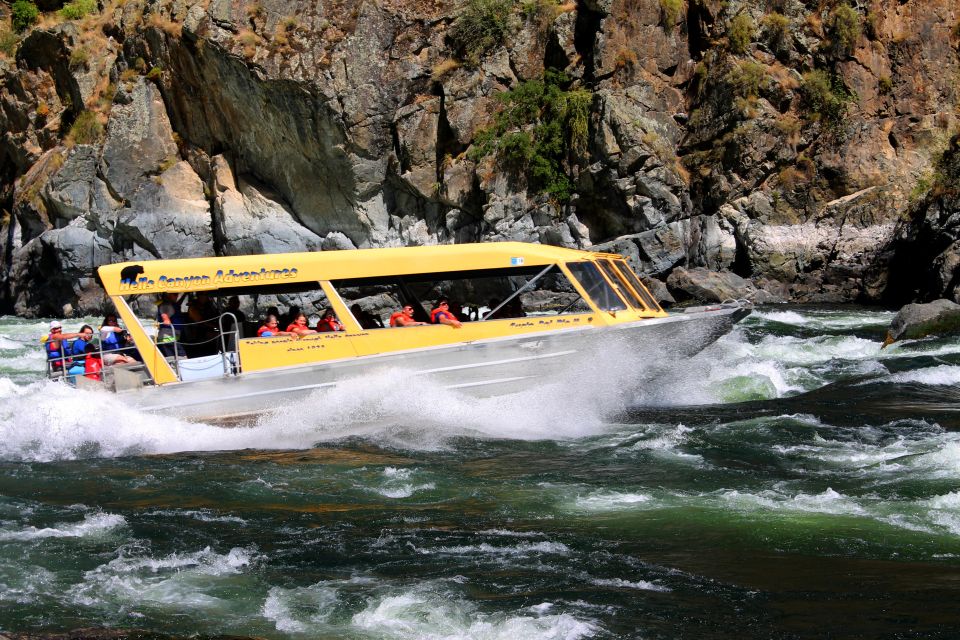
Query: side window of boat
[(621, 285), (638, 286), (596, 286)]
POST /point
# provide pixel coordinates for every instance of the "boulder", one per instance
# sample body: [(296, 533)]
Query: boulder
[(708, 286), (914, 321)]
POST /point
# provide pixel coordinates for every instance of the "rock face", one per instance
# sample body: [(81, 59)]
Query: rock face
[(940, 317), (807, 159)]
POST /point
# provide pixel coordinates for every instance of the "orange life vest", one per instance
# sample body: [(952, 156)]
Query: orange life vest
[(395, 318)]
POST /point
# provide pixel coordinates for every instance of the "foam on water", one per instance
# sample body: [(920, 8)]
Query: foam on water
[(934, 376), (175, 581), (398, 483), (93, 525), (824, 321), (431, 610), (619, 583)]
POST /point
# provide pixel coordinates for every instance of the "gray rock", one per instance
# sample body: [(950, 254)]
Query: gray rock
[(139, 140), (940, 317), (708, 286)]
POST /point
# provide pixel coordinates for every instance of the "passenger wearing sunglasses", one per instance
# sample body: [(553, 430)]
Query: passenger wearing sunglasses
[(404, 318), (441, 314)]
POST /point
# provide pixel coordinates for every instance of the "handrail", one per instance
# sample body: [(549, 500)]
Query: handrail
[(232, 367)]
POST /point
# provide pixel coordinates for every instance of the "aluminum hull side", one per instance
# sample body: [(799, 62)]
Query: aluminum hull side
[(488, 367)]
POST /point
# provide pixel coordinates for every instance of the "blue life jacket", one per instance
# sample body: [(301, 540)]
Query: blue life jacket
[(111, 342), (77, 347)]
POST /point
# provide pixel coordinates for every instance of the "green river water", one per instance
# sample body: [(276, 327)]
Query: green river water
[(792, 481)]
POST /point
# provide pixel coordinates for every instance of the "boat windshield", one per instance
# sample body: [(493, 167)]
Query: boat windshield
[(596, 286), (634, 281), (622, 287)]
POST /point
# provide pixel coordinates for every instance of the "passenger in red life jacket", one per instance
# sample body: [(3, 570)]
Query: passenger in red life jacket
[(271, 327), (93, 366), (329, 322), (441, 314), (404, 318)]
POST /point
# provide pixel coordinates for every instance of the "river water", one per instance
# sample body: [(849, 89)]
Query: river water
[(793, 480)]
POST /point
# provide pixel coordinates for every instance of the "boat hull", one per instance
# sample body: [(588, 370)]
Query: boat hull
[(483, 367)]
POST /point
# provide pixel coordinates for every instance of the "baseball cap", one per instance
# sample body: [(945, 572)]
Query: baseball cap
[(55, 324)]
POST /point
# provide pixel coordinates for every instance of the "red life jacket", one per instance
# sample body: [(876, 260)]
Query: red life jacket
[(435, 315), (92, 368), (329, 324), (395, 318)]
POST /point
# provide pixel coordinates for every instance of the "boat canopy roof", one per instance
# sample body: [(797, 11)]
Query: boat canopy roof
[(293, 269)]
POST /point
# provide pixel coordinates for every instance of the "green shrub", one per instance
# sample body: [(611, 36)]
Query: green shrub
[(776, 28), (672, 10), (741, 32), (23, 14), (845, 28), (79, 58), (86, 128), (746, 79), (539, 130), (885, 85), (8, 42), (155, 73), (78, 8), (826, 97), (481, 26)]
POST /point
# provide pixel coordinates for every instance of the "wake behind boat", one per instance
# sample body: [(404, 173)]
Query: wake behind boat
[(538, 312)]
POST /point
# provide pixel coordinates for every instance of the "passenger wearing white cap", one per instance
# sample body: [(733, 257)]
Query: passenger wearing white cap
[(53, 343)]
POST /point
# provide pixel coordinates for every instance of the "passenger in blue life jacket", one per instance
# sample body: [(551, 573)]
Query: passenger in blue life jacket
[(77, 350), (56, 346), (112, 340)]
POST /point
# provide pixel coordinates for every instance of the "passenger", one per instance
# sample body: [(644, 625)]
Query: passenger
[(329, 322), (55, 345), (457, 310), (515, 308), (441, 314), (112, 340), (404, 318), (170, 304), (299, 326), (78, 349), (93, 366), (167, 337), (200, 334), (366, 319), (271, 328)]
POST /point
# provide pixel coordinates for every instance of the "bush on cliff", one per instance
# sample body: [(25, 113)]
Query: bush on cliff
[(8, 42), (480, 26), (538, 132), (23, 14), (741, 32), (826, 96), (845, 28), (78, 9), (86, 129)]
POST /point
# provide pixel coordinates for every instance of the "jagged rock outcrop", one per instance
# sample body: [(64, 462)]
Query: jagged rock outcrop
[(796, 151)]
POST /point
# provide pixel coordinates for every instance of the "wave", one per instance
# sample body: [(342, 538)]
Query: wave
[(933, 376), (93, 525), (431, 609)]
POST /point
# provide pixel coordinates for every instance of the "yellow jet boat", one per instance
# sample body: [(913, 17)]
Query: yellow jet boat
[(529, 313)]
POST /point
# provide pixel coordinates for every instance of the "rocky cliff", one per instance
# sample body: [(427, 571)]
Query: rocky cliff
[(803, 146)]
